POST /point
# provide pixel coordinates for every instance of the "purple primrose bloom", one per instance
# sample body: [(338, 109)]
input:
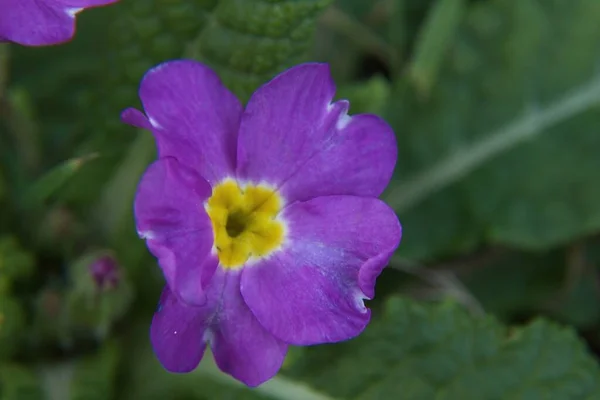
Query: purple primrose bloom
[(41, 22), (264, 219)]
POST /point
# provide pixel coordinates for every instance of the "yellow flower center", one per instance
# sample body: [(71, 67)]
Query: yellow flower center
[(244, 221)]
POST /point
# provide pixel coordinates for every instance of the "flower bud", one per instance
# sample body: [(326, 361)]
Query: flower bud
[(105, 272)]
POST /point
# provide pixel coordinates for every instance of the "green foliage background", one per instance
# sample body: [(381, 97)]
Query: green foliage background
[(494, 292)]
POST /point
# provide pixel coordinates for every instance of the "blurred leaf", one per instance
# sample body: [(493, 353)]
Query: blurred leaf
[(12, 326), (439, 351), (4, 56), (19, 383), (49, 183), (16, 263), (359, 37), (493, 152), (435, 36), (114, 206), (366, 97), (516, 285), (19, 147), (579, 306), (397, 31), (249, 41), (95, 376)]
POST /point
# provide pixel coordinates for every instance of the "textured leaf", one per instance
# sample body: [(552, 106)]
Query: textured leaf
[(249, 41), (421, 351), (441, 352), (510, 59)]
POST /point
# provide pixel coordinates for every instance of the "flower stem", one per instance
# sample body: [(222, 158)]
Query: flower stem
[(278, 388)]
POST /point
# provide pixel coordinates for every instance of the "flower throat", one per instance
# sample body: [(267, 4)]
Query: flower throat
[(244, 221)]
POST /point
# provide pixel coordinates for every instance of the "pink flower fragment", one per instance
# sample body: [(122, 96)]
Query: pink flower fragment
[(264, 219), (41, 22)]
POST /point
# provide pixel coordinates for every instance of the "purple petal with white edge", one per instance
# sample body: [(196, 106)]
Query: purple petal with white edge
[(193, 117), (134, 117), (41, 22), (242, 347), (295, 138), (336, 247), (170, 215), (176, 333)]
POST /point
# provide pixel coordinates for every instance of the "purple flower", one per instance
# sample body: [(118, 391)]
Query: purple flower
[(41, 22), (264, 220), (105, 272)]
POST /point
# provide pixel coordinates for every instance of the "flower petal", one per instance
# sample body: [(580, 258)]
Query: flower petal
[(242, 347), (176, 333), (135, 117), (295, 138), (170, 215), (194, 118), (313, 291), (37, 23)]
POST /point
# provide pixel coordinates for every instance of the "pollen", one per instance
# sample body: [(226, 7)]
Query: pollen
[(245, 222)]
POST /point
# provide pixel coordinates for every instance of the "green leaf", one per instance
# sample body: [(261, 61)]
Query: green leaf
[(517, 284), (94, 376), (505, 147), (19, 383), (49, 183), (249, 41), (12, 326), (367, 97), (439, 351), (4, 57), (433, 42), (422, 351), (16, 263)]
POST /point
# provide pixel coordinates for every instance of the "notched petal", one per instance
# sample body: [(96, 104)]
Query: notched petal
[(193, 117), (337, 247), (295, 137)]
